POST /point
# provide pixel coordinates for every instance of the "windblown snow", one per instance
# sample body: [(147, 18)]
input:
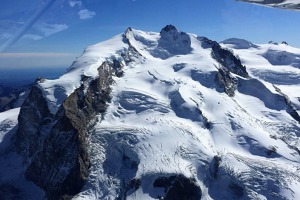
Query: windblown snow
[(168, 116)]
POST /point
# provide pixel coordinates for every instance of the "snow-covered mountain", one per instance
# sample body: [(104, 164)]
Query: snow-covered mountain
[(283, 4), (166, 115)]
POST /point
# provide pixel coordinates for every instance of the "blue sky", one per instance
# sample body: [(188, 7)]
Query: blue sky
[(51, 33)]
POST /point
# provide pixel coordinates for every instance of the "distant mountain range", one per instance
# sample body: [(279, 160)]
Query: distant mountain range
[(14, 83), (166, 115)]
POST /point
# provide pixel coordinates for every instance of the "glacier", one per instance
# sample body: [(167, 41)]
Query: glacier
[(181, 117)]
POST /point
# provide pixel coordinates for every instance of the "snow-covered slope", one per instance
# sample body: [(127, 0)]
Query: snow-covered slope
[(167, 117), (273, 63), (13, 184), (8, 120), (186, 118), (284, 4)]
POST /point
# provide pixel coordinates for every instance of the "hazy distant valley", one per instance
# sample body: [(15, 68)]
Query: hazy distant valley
[(14, 82)]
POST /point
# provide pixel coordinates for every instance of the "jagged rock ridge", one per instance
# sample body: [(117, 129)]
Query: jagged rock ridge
[(55, 146)]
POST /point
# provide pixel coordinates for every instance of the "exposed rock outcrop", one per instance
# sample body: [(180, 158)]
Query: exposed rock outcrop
[(228, 60), (214, 166), (228, 63), (174, 41), (226, 81), (55, 146), (225, 57), (34, 117), (178, 187), (289, 106)]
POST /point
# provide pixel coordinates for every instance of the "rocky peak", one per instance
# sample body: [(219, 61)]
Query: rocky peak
[(128, 29), (174, 41), (54, 146), (272, 42), (171, 33), (169, 28), (127, 33), (228, 63)]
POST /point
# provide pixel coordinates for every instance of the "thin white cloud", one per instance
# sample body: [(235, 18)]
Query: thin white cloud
[(86, 14), (75, 3), (5, 36), (49, 29), (35, 55), (29, 23), (36, 60), (32, 37)]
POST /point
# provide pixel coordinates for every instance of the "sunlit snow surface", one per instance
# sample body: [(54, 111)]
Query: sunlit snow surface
[(156, 122), (8, 120)]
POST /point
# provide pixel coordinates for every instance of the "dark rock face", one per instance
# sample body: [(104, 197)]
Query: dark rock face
[(229, 63), (272, 42), (8, 192), (178, 187), (174, 41), (55, 146), (118, 68), (214, 166), (289, 106), (169, 28), (33, 118), (132, 186), (228, 60), (226, 81), (225, 57)]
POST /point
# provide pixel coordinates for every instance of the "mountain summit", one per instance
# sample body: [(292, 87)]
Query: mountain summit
[(167, 115)]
